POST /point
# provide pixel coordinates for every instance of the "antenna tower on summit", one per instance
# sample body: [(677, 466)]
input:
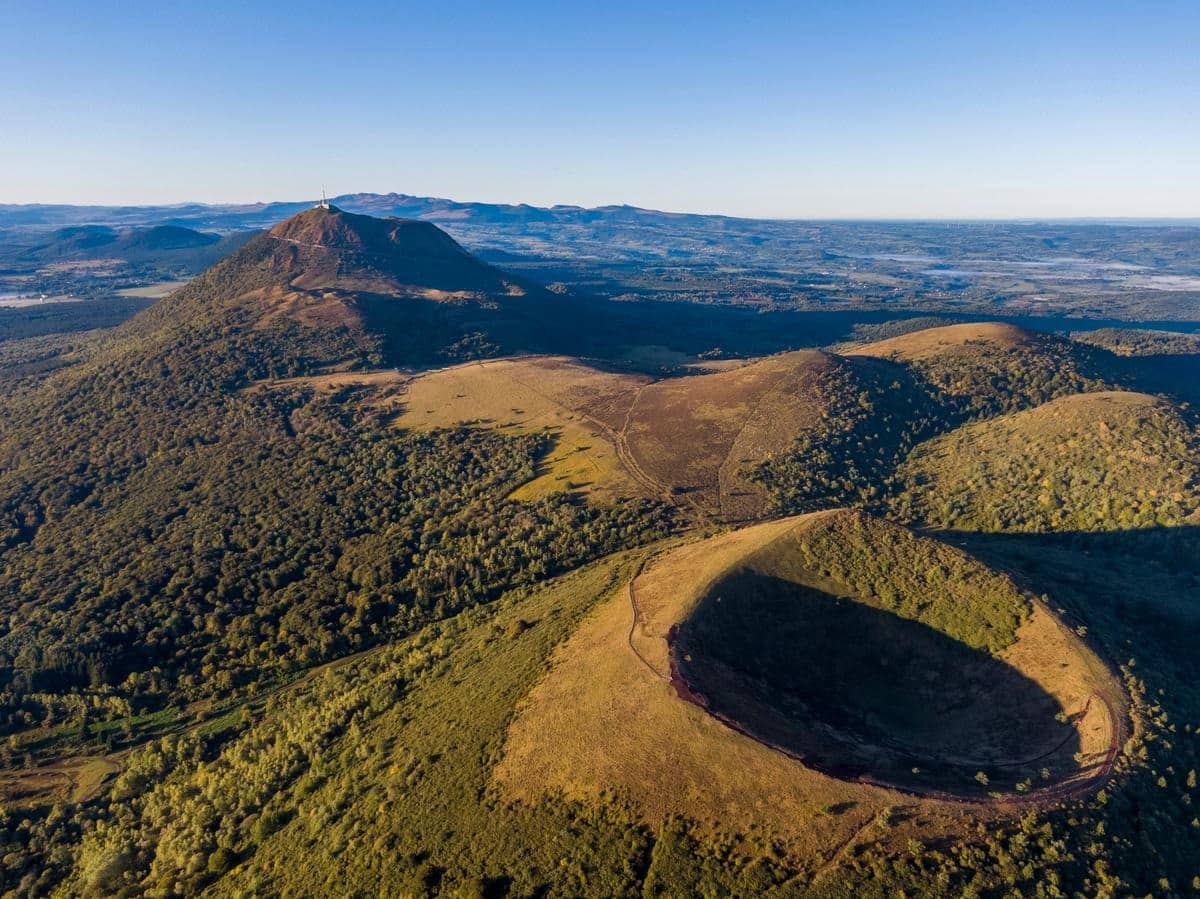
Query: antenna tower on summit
[(324, 204)]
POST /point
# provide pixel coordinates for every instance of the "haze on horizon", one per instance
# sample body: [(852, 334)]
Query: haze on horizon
[(833, 110)]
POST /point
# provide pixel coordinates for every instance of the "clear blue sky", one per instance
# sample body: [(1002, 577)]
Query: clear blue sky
[(848, 109)]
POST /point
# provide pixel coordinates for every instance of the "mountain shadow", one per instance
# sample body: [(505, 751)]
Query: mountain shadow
[(1137, 592)]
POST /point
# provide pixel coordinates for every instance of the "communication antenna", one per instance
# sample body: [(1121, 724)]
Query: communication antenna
[(324, 204)]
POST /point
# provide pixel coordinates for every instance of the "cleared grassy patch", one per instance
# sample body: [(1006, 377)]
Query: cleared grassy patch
[(155, 291), (573, 402)]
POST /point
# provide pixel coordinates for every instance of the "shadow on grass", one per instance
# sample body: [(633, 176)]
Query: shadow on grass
[(858, 691), (1137, 591)]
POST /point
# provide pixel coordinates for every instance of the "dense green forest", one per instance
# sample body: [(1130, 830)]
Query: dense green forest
[(876, 413), (60, 318), (1134, 342), (1101, 462)]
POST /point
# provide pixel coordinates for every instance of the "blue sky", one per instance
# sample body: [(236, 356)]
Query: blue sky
[(838, 109)]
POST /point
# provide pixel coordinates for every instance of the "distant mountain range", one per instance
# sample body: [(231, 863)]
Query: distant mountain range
[(1146, 271), (620, 233), (225, 216), (262, 215), (186, 247)]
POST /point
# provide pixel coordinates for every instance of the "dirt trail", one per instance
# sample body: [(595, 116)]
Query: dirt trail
[(636, 620), (639, 474), (835, 855), (620, 441), (722, 469)]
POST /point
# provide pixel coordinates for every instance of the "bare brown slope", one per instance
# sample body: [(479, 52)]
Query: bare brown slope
[(331, 248), (698, 434), (403, 292)]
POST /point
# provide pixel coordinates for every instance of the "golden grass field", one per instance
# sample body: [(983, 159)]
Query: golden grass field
[(948, 338), (571, 401), (606, 719)]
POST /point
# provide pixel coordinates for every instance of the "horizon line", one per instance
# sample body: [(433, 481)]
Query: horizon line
[(951, 219)]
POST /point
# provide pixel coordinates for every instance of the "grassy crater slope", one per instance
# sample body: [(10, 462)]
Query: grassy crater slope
[(1094, 461), (834, 638), (868, 651)]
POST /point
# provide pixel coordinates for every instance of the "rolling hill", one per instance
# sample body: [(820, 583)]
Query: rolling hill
[(794, 432), (165, 246), (1097, 461), (989, 368), (703, 435), (729, 442)]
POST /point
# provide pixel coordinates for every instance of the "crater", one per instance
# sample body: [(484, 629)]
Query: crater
[(766, 675), (863, 693)]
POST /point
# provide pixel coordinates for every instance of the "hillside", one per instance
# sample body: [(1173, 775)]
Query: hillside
[(884, 398), (706, 435), (1098, 461), (75, 242), (326, 247), (794, 432), (158, 243), (1139, 343), (797, 430), (991, 368), (167, 536)]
